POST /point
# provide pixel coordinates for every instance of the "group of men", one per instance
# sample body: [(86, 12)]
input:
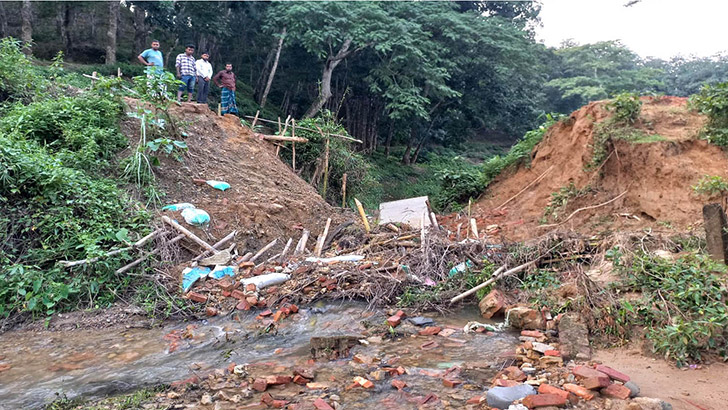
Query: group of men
[(194, 72)]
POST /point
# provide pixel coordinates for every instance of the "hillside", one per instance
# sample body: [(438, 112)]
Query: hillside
[(653, 167)]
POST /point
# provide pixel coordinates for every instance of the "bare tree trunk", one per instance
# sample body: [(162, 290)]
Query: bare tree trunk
[(389, 138), (325, 91), (3, 21), (140, 30), (273, 70), (419, 147), (111, 32), (26, 33), (62, 18), (406, 158)]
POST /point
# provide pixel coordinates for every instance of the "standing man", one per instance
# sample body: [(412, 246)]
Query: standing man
[(204, 75), (152, 57), (226, 80), (186, 71)]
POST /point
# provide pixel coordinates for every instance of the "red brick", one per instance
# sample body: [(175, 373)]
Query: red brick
[(475, 400), (451, 383), (252, 300), (294, 309), (595, 383), (259, 270), (260, 385), (276, 380), (584, 372), (246, 264), (211, 311), (514, 373), (401, 314), (197, 297), (298, 379), (616, 391), (226, 294), (243, 305), (554, 353), (279, 404), (321, 404), (189, 380), (250, 287), (505, 383), (532, 333), (225, 285), (579, 391), (394, 321), (492, 304), (266, 312), (553, 390), (238, 294), (304, 372), (543, 400), (614, 374), (398, 384), (278, 316), (430, 331), (267, 399)]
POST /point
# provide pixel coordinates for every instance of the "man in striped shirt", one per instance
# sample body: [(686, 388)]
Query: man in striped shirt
[(186, 71)]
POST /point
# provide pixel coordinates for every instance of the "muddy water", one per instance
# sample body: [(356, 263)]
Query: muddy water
[(98, 363)]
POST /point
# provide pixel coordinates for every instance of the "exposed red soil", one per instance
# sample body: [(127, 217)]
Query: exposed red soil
[(657, 176), (266, 200)]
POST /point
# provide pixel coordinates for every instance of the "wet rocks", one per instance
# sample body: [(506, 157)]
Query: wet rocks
[(421, 321), (574, 338), (502, 397), (522, 317), (492, 304), (332, 347), (633, 388)]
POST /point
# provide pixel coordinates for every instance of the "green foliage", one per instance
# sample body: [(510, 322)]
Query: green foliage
[(18, 79), (458, 184), (711, 186), (560, 200), (713, 102), (626, 107), (683, 304)]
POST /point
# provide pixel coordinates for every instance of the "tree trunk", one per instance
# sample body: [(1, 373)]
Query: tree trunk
[(406, 158), (419, 147), (389, 138), (26, 31), (63, 14), (111, 32), (3, 21), (325, 91), (140, 30), (273, 70)]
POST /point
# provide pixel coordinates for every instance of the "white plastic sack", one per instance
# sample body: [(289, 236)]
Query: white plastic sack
[(342, 258), (263, 281), (178, 207), (218, 184), (194, 216)]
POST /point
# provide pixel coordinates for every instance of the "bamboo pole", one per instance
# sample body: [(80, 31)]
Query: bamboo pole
[(363, 215), (281, 138), (189, 234), (255, 120), (293, 161), (218, 244), (477, 288), (343, 191), (148, 254), (137, 244), (322, 239), (326, 169), (219, 110), (310, 129), (301, 247), (285, 126), (285, 249), (263, 250)]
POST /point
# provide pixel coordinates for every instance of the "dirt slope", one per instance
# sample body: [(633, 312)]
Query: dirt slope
[(657, 176), (266, 200)]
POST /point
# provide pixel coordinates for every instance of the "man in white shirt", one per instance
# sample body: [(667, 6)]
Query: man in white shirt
[(204, 73)]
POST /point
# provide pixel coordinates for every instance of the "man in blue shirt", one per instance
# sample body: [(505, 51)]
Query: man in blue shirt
[(152, 57)]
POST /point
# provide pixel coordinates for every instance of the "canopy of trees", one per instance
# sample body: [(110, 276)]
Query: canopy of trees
[(410, 73)]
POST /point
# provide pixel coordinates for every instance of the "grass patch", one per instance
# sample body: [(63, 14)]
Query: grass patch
[(560, 200)]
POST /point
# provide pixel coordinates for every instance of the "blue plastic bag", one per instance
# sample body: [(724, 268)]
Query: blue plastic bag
[(192, 275), (222, 186), (195, 216), (221, 271), (178, 207)]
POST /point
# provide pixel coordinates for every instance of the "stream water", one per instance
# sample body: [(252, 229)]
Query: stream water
[(98, 363)]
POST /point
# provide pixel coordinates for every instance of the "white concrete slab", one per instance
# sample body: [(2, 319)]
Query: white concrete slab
[(408, 211)]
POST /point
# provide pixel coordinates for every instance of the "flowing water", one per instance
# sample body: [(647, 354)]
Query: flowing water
[(103, 362)]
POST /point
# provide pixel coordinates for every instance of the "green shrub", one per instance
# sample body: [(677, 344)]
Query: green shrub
[(458, 183), (18, 80), (713, 102), (711, 186), (626, 107), (560, 199)]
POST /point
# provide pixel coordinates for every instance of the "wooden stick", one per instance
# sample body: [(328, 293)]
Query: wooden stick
[(189, 234), (474, 228), (246, 257), (278, 149), (279, 125), (217, 245), (252, 126), (264, 250), (433, 219), (301, 247), (422, 230), (281, 138), (285, 249), (293, 161), (269, 260), (322, 239), (285, 126), (584, 209), (363, 215), (460, 225), (343, 190), (219, 110), (527, 186), (137, 244), (477, 288), (310, 129), (326, 169), (146, 255)]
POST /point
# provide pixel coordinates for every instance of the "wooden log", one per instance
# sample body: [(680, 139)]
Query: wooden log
[(322, 239), (474, 228), (189, 234), (363, 215), (285, 249), (217, 245), (146, 255), (255, 120), (282, 138), (264, 250), (246, 257), (301, 247), (460, 225), (343, 190), (498, 274), (219, 110)]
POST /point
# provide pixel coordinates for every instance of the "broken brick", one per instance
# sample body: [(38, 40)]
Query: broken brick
[(543, 400), (252, 300), (304, 372), (614, 374), (278, 316), (616, 391), (320, 404), (553, 390), (475, 400), (451, 383), (243, 305), (226, 294), (579, 391), (398, 384), (294, 309), (505, 383), (584, 372), (267, 399), (553, 353), (197, 297), (514, 373), (250, 287), (430, 331), (225, 284), (266, 312), (298, 379), (260, 385), (532, 333), (246, 264), (189, 380), (238, 294), (211, 311), (401, 314), (394, 320), (278, 380), (367, 384), (594, 383)]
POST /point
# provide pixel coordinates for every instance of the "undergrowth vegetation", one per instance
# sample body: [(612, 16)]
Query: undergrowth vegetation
[(626, 108), (560, 200), (712, 100)]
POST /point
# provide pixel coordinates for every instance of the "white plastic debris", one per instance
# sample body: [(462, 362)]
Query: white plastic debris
[(264, 281), (342, 258)]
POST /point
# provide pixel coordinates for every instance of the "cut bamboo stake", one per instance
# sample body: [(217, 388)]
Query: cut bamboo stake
[(219, 110), (217, 245), (285, 126), (189, 234), (343, 190), (326, 169), (477, 288), (137, 244), (278, 149), (540, 177), (279, 125), (474, 228), (460, 225), (433, 219), (246, 257), (363, 215), (148, 254), (301, 247), (264, 250), (422, 231), (146, 239), (322, 239), (293, 161), (281, 138), (285, 249), (255, 120)]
